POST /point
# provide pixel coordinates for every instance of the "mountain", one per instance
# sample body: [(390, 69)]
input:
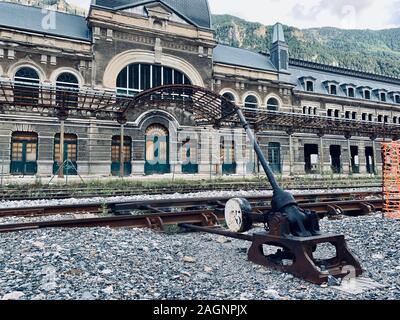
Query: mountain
[(59, 5), (365, 50)]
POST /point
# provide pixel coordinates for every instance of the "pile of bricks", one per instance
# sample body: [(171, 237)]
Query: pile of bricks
[(391, 180)]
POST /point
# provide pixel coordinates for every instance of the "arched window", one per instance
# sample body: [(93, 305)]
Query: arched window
[(273, 105), (67, 86), (139, 77), (67, 80), (229, 96), (26, 86), (251, 102)]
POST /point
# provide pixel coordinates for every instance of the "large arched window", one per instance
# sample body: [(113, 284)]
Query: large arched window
[(139, 77), (26, 86), (273, 105), (67, 86)]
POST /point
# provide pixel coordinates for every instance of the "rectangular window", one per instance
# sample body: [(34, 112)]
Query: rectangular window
[(329, 112), (115, 153), (397, 99), (157, 76), (347, 115), (31, 151), (71, 152), (133, 77), (178, 77), (351, 92), (57, 151), (310, 86), (364, 116), (145, 77), (367, 95), (383, 97), (333, 89), (17, 151), (354, 115), (167, 73), (370, 117)]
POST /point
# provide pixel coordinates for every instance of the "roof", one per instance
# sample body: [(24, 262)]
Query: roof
[(195, 11), (321, 76), (242, 58), (32, 19)]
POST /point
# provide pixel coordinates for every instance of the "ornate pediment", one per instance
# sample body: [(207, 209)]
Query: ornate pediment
[(158, 10)]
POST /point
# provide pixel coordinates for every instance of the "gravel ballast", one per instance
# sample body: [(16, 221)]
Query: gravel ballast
[(103, 263)]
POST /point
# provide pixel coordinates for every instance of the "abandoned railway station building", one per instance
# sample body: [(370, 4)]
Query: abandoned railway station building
[(312, 118)]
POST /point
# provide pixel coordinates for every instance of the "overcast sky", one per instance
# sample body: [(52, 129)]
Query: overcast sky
[(349, 14)]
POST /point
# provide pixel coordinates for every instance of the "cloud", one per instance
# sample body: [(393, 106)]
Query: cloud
[(349, 14)]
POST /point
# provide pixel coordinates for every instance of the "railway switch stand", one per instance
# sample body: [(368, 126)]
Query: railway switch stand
[(294, 230)]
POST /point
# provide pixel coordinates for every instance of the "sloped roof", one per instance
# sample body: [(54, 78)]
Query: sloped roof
[(321, 76), (194, 11), (242, 58), (28, 18)]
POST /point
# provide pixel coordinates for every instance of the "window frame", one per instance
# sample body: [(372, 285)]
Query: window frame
[(132, 89)]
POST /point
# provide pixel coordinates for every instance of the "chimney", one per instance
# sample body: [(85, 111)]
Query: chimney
[(280, 49)]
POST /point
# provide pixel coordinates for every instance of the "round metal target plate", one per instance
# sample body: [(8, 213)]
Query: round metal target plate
[(236, 211)]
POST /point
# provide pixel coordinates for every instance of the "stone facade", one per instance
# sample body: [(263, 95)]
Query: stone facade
[(119, 39)]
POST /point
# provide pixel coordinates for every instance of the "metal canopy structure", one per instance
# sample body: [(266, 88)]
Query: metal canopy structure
[(60, 102), (204, 106), (297, 122), (201, 105)]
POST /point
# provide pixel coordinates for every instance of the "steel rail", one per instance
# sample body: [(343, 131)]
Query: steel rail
[(197, 215), (166, 203)]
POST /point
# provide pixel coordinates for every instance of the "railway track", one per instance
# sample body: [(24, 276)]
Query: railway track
[(157, 214), (13, 194)]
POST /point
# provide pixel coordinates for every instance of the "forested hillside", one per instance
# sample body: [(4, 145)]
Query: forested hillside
[(368, 50)]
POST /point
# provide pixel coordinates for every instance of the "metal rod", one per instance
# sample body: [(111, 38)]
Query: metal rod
[(2, 167), (121, 152), (218, 232), (321, 160), (258, 151), (61, 158), (291, 154), (374, 156), (350, 158)]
